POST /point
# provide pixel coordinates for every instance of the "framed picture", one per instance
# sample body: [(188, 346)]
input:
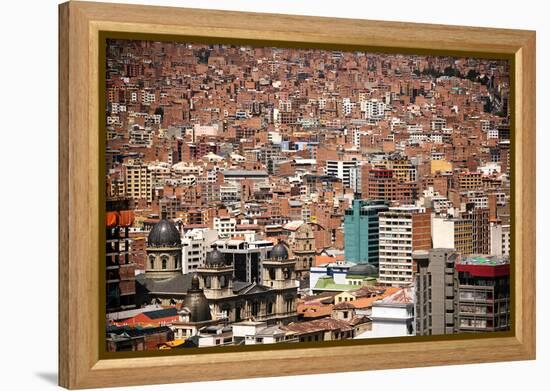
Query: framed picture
[(240, 193)]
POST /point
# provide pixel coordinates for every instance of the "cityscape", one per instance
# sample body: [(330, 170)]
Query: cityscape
[(262, 195)]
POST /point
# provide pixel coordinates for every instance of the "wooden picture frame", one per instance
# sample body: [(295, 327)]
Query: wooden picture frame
[(80, 25)]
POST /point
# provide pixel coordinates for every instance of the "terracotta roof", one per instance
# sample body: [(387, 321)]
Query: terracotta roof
[(315, 310), (402, 296), (366, 302), (312, 326), (322, 259)]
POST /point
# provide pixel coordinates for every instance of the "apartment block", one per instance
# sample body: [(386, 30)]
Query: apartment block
[(436, 283), (361, 231), (484, 293), (402, 230), (138, 181)]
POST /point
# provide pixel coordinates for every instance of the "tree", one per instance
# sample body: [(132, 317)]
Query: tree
[(159, 110), (451, 71), (472, 75)]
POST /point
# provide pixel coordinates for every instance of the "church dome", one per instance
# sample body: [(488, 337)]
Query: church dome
[(363, 269), (279, 251), (196, 303), (215, 258), (164, 234)]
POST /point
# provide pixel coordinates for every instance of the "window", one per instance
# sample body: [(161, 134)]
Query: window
[(255, 308), (152, 262), (164, 263)]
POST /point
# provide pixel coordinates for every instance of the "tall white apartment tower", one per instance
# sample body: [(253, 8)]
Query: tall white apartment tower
[(403, 230)]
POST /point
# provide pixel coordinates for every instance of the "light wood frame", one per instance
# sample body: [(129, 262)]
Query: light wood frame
[(80, 365)]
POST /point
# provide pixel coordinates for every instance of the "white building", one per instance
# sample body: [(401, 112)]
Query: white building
[(397, 227), (373, 108), (492, 134), (147, 97), (195, 244), (392, 316), (347, 106), (485, 124), (478, 198), (500, 239), (230, 192), (415, 128), (346, 170), (226, 226), (140, 136), (490, 168), (254, 332)]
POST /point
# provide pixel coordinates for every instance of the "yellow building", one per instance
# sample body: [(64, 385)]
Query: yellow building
[(440, 165), (138, 181)]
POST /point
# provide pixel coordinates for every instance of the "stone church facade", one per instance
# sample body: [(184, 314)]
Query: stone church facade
[(270, 297)]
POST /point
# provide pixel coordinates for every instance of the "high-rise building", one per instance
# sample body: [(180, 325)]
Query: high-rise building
[(403, 230), (139, 181), (500, 238), (361, 231), (452, 233), (120, 272), (225, 226), (484, 293), (195, 245), (346, 170), (479, 217), (381, 184), (436, 282)]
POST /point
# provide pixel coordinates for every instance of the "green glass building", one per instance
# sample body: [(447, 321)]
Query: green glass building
[(361, 231)]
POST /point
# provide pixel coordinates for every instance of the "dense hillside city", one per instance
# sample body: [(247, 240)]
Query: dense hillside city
[(260, 195)]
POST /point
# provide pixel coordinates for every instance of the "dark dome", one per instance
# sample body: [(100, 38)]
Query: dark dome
[(279, 251), (363, 269), (215, 258), (196, 303), (164, 234)]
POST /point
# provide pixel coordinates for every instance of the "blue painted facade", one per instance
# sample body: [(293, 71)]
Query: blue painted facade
[(361, 232)]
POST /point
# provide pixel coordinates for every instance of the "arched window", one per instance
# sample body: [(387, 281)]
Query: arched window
[(237, 313), (223, 282), (286, 273), (270, 307), (226, 310), (164, 263), (255, 308), (152, 262), (289, 305), (207, 282)]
